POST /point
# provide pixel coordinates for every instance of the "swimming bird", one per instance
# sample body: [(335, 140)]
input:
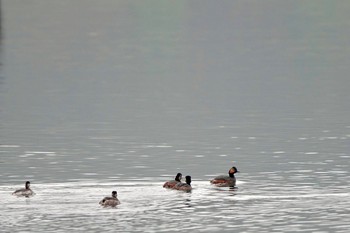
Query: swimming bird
[(110, 201), (170, 184), (184, 186), (226, 181), (26, 192)]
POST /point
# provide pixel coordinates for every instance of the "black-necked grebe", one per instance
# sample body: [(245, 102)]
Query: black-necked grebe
[(226, 181), (110, 201), (172, 183), (26, 192), (184, 186)]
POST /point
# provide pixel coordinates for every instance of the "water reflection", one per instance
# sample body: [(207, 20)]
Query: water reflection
[(188, 202)]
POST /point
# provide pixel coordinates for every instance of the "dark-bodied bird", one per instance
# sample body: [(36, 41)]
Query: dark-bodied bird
[(25, 192), (184, 186), (110, 201), (224, 180), (171, 184)]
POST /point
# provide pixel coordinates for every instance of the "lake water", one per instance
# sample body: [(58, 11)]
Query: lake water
[(97, 96)]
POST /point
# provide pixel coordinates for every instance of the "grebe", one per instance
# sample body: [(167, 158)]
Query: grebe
[(26, 192), (110, 201), (226, 181), (171, 184), (184, 186)]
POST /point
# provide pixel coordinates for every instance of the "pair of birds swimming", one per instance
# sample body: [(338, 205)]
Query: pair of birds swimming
[(177, 184), (107, 201), (220, 181)]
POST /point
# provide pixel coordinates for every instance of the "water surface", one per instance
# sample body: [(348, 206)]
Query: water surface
[(147, 207), (104, 95)]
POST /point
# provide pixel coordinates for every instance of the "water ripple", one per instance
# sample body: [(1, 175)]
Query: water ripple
[(147, 207)]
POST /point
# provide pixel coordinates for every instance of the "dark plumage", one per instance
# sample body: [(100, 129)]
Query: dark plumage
[(26, 192), (184, 186), (172, 183), (226, 181), (110, 201)]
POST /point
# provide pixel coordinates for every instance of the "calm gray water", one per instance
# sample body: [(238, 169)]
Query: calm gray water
[(109, 95)]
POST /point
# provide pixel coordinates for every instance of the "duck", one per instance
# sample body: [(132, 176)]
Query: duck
[(25, 192), (184, 186), (224, 180), (172, 183), (110, 201)]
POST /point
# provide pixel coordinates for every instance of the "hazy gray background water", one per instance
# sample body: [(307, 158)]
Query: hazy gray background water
[(99, 95)]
